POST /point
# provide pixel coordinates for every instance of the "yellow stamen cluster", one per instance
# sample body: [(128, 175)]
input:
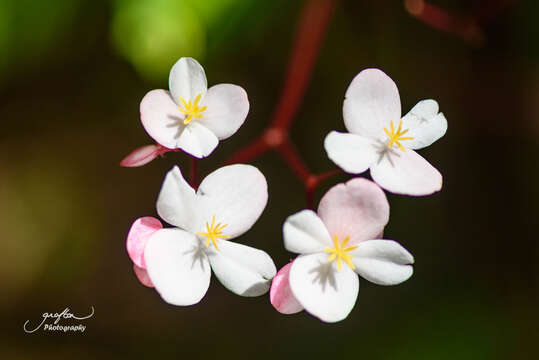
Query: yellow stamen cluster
[(396, 137), (339, 252), (191, 109), (214, 233)]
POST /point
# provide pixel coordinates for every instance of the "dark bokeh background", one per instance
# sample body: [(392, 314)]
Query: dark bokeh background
[(72, 74)]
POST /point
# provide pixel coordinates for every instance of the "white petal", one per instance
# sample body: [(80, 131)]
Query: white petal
[(197, 140), (161, 118), (407, 173), (353, 153), (372, 101), (178, 266), (187, 79), (358, 210), (305, 233), (176, 203), (236, 195), (383, 262), (227, 108), (323, 291), (244, 270), (425, 124)]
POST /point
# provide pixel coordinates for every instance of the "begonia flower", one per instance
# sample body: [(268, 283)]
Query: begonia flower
[(340, 242), (190, 116), (179, 260), (381, 141)]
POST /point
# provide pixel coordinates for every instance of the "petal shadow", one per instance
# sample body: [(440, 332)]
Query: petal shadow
[(177, 122), (384, 151), (324, 274), (199, 254)]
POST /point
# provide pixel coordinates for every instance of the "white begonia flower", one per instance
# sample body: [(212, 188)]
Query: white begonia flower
[(228, 202), (336, 244), (192, 117), (380, 140)]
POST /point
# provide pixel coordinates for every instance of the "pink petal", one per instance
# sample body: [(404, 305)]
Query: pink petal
[(281, 296), (358, 209), (141, 156), (142, 276), (140, 232)]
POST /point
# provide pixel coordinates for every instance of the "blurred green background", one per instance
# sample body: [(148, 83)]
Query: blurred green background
[(72, 74)]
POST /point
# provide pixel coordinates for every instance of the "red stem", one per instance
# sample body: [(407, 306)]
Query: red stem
[(291, 157), (312, 27), (310, 33), (255, 149)]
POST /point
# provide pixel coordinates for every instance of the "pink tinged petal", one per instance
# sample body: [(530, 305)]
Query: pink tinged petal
[(305, 233), (352, 153), (383, 262), (161, 118), (281, 296), (187, 79), (138, 236), (358, 209), (141, 156), (406, 173), (197, 140), (372, 101), (227, 107), (176, 203), (178, 266), (323, 291), (142, 276), (236, 195), (425, 124), (244, 270)]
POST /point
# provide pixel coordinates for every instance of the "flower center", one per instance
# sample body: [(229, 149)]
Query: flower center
[(191, 109), (339, 252), (396, 137), (214, 233)]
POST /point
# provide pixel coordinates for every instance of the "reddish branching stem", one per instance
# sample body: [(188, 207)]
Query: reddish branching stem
[(311, 30), (312, 27)]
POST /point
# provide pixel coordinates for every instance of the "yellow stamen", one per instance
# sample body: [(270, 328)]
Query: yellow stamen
[(396, 137), (214, 233), (339, 252), (191, 109)]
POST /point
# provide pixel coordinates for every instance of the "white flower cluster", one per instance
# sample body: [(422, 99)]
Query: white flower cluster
[(340, 241)]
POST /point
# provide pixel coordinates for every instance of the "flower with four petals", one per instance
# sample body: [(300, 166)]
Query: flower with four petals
[(178, 261), (192, 117), (381, 141), (336, 244)]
